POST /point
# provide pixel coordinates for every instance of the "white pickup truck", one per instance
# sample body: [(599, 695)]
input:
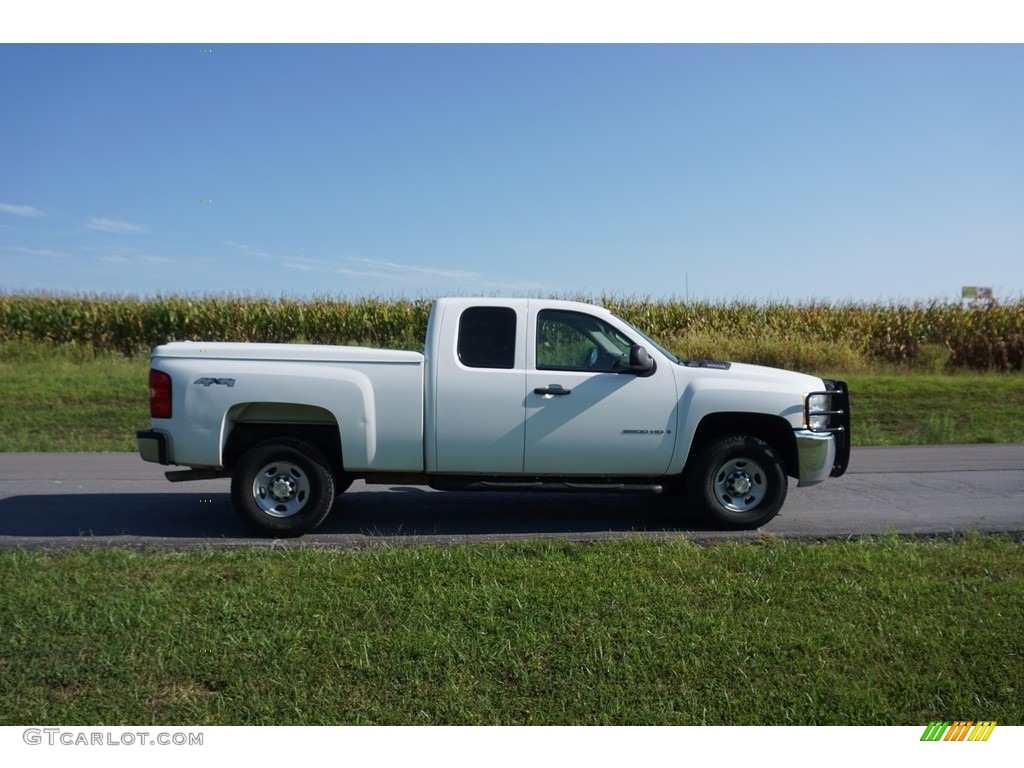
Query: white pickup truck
[(508, 394)]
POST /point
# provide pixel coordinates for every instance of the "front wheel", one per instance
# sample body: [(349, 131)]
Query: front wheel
[(283, 487), (739, 482)]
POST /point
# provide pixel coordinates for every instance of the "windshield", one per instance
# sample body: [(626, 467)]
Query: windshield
[(651, 341)]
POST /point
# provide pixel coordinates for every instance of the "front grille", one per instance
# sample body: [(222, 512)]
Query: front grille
[(837, 421)]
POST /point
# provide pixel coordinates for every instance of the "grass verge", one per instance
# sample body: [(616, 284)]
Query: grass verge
[(932, 409), (71, 398), (886, 631)]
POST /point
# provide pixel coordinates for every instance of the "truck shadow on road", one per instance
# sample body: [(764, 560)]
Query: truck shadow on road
[(399, 513)]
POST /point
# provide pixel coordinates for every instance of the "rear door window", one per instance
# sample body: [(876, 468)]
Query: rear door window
[(487, 337)]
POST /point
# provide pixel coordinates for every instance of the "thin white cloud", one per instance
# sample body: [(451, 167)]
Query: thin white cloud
[(367, 273), (21, 210), (114, 226), (44, 252), (303, 265), (242, 249), (125, 256), (430, 272), (455, 279)]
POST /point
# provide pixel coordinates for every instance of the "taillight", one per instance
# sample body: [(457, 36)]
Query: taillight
[(159, 394)]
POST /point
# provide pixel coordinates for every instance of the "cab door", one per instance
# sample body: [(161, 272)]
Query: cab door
[(586, 412), (479, 413)]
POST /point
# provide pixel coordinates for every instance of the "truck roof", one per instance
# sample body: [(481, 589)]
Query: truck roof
[(519, 303)]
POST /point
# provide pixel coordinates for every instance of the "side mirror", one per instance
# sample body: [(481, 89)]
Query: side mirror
[(640, 362)]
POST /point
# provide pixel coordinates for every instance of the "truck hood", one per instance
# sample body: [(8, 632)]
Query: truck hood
[(765, 376), (745, 388)]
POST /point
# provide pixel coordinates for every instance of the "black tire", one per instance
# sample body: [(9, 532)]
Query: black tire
[(283, 487), (738, 481)]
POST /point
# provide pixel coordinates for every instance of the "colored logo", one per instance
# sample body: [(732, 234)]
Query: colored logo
[(960, 730)]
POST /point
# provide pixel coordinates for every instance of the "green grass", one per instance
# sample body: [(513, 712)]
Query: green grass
[(885, 632), (917, 409), (70, 398)]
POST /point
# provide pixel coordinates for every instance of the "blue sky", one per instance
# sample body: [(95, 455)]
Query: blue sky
[(767, 172)]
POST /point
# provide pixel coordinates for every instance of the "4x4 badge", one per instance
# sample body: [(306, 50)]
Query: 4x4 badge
[(207, 382)]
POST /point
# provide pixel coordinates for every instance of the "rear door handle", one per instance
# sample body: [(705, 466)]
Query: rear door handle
[(552, 389)]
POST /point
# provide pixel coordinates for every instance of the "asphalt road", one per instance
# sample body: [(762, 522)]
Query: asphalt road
[(116, 499)]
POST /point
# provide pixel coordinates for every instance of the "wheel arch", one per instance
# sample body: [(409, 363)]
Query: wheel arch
[(247, 424), (774, 430)]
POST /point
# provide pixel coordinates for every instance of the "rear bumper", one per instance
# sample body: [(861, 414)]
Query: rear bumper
[(152, 446), (817, 455)]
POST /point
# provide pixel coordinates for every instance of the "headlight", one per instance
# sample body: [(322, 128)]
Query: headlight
[(818, 406)]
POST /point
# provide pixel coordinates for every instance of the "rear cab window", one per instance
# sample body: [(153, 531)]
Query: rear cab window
[(487, 337)]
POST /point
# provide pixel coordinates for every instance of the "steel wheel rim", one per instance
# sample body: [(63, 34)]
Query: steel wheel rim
[(740, 484), (281, 489)]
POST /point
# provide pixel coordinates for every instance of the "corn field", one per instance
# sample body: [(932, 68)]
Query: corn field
[(817, 336)]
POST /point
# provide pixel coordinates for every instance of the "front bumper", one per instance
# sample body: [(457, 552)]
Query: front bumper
[(816, 452), (152, 446)]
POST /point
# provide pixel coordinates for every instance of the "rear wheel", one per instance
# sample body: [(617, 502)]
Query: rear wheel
[(739, 482), (283, 487)]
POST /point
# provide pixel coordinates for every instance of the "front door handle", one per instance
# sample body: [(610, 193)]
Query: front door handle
[(552, 389)]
